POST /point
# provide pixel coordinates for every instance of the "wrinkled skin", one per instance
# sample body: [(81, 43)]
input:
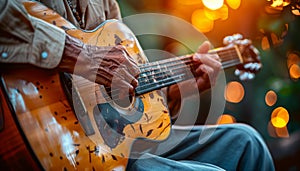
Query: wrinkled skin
[(104, 65), (113, 68)]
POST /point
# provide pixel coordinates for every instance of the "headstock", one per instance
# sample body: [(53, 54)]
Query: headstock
[(250, 56)]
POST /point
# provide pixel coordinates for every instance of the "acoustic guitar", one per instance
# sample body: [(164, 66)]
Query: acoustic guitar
[(55, 121)]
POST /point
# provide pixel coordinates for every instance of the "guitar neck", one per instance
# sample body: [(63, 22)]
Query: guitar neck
[(160, 74)]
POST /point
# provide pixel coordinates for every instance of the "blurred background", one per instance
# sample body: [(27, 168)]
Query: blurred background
[(270, 102)]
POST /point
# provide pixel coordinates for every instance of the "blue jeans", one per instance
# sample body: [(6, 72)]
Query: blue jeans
[(220, 147)]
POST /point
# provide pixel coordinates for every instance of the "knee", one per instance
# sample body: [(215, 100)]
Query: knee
[(245, 136), (254, 147), (243, 131)]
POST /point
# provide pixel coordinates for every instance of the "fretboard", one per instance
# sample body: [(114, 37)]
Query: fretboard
[(163, 73)]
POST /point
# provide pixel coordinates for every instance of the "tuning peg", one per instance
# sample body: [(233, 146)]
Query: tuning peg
[(244, 75), (253, 66), (231, 39)]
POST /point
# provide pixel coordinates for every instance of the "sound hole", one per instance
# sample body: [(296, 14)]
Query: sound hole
[(119, 99), (111, 122)]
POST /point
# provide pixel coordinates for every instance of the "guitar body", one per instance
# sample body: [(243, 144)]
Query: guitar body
[(54, 133)]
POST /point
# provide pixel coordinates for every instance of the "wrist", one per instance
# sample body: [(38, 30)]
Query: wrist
[(73, 47)]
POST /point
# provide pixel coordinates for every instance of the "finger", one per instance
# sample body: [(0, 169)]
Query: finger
[(132, 67), (203, 83), (102, 80), (209, 61), (124, 74), (123, 88), (204, 47)]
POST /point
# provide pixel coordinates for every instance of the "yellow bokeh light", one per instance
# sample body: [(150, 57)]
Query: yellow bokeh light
[(213, 4), (234, 4), (226, 119), (280, 3), (201, 22), (234, 92), (280, 117), (221, 13), (271, 98), (278, 132)]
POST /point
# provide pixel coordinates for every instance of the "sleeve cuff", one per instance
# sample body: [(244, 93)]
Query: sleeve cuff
[(47, 45)]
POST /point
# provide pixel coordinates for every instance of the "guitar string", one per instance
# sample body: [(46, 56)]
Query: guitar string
[(224, 54), (159, 67), (163, 73), (116, 90), (161, 70)]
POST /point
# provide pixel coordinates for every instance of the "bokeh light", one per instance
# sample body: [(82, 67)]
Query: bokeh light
[(234, 92), (280, 117), (293, 58), (201, 22), (271, 98), (280, 3), (295, 71), (226, 119), (234, 4), (188, 2), (221, 13), (265, 44), (278, 132), (293, 62), (213, 4)]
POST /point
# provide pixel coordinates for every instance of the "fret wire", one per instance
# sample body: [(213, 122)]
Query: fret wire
[(163, 69), (159, 84), (230, 65), (170, 60), (168, 68), (163, 74), (224, 55)]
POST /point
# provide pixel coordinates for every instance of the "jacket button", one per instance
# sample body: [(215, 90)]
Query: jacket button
[(4, 55), (44, 55)]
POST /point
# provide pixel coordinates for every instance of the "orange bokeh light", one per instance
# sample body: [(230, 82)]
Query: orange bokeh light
[(234, 92), (234, 4), (293, 58), (201, 22), (271, 98), (280, 117), (293, 62), (295, 71), (226, 119)]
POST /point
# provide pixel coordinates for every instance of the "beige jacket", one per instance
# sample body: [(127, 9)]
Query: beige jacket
[(25, 39)]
